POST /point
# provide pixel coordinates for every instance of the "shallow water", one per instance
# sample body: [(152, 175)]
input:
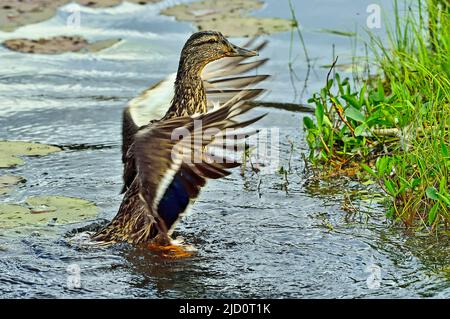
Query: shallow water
[(277, 240)]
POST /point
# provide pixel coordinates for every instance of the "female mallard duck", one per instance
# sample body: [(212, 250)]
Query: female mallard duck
[(160, 180)]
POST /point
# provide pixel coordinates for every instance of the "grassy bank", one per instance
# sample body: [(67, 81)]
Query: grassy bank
[(393, 128)]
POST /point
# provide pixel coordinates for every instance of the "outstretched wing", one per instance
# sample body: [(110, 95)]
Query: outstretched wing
[(174, 158), (223, 81)]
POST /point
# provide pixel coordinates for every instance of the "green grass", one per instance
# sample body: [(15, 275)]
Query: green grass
[(394, 127)]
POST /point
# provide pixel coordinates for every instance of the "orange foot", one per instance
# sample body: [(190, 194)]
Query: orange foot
[(171, 251)]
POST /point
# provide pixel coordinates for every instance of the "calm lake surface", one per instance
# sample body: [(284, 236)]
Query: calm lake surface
[(287, 239)]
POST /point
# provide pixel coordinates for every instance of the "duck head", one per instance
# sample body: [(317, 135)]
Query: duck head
[(207, 46)]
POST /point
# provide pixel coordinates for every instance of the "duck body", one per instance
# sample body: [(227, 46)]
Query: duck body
[(158, 185)]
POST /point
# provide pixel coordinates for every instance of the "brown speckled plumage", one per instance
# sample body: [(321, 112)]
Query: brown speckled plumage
[(136, 222)]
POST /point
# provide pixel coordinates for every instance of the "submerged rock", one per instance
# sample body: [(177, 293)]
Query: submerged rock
[(57, 45), (11, 150), (228, 16)]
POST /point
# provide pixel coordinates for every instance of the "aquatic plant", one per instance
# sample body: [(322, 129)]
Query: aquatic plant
[(43, 213), (10, 152), (394, 126), (9, 181), (231, 17)]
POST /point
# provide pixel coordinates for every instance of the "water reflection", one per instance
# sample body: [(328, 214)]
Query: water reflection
[(183, 277)]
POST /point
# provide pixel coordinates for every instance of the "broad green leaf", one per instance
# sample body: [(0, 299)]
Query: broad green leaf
[(327, 121), (432, 193), (352, 101), (308, 123), (445, 199), (381, 165), (359, 130), (444, 149), (368, 169), (354, 114), (390, 187), (432, 214), (319, 115), (362, 94), (442, 185), (330, 84)]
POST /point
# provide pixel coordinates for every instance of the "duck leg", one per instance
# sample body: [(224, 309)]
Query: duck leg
[(167, 247), (172, 249)]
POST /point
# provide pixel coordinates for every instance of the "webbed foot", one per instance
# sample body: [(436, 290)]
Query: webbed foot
[(169, 248)]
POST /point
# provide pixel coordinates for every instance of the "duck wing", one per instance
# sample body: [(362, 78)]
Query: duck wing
[(174, 158), (223, 81)]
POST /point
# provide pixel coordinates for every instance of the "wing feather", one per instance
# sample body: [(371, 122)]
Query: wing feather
[(164, 170), (223, 82)]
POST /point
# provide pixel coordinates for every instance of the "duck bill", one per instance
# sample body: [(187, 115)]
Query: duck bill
[(238, 51)]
